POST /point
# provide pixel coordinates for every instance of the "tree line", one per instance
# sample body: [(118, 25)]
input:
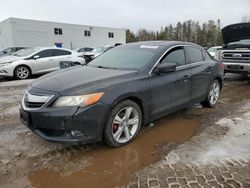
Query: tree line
[(205, 34)]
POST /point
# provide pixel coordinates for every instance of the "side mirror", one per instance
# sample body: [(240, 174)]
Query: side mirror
[(166, 67), (36, 57)]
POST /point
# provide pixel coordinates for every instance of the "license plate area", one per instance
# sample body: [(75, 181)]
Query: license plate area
[(236, 67)]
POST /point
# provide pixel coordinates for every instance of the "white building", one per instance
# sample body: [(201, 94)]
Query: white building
[(24, 32)]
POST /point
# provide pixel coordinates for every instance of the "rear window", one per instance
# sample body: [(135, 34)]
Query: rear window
[(195, 54)]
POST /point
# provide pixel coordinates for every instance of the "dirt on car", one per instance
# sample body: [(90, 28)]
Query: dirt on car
[(174, 141)]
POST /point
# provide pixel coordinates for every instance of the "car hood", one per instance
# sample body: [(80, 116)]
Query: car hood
[(235, 32), (81, 80), (6, 59)]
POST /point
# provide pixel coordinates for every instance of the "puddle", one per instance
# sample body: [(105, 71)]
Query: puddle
[(107, 167)]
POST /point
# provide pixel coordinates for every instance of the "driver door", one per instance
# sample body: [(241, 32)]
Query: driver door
[(170, 91), (43, 61)]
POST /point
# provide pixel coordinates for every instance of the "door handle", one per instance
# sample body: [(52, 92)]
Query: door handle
[(210, 69), (186, 78)]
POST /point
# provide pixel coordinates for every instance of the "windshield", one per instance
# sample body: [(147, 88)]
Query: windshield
[(123, 58), (241, 42), (26, 52), (76, 49)]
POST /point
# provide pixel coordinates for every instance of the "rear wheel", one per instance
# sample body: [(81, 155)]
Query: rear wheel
[(22, 72), (123, 124), (212, 95)]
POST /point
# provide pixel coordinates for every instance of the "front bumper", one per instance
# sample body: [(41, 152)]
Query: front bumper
[(237, 67), (6, 71), (67, 124)]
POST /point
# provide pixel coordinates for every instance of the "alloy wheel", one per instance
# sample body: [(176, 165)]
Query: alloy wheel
[(125, 124), (214, 93), (22, 72)]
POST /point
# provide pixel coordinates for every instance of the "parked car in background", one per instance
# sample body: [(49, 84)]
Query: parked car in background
[(89, 56), (213, 50), (236, 49), (27, 62), (112, 96), (10, 50), (83, 49), (86, 53)]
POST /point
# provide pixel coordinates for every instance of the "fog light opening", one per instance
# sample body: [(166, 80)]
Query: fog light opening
[(76, 133)]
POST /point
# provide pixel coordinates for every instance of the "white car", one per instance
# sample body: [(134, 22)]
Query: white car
[(212, 51), (10, 50), (27, 62)]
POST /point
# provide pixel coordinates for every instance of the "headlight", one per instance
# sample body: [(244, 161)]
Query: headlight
[(80, 100), (5, 64)]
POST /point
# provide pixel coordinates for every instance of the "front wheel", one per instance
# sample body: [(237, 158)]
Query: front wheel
[(123, 124), (212, 95), (22, 72)]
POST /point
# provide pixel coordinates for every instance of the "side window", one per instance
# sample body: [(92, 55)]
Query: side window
[(45, 53), (175, 55), (88, 49), (195, 54), (60, 52), (81, 50)]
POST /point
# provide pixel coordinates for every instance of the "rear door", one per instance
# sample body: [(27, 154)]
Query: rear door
[(60, 55), (170, 91), (201, 71)]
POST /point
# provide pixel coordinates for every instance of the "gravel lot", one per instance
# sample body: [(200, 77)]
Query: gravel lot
[(196, 147)]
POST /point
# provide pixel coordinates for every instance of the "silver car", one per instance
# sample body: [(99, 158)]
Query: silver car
[(10, 50), (27, 62)]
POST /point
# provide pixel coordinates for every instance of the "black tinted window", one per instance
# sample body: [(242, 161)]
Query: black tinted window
[(195, 54), (60, 52), (176, 55), (88, 49), (45, 53)]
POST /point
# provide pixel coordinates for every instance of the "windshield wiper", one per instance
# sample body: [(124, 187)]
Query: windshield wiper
[(102, 67)]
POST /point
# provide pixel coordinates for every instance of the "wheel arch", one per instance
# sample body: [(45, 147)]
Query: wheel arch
[(24, 66), (220, 81), (133, 98)]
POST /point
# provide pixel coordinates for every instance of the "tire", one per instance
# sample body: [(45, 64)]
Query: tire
[(212, 94), (22, 72), (118, 130)]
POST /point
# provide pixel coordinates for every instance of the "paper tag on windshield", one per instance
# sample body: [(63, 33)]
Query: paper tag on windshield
[(149, 46)]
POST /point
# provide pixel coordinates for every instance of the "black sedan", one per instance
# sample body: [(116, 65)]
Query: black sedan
[(110, 98)]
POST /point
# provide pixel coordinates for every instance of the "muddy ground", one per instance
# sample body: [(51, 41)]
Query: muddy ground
[(196, 147)]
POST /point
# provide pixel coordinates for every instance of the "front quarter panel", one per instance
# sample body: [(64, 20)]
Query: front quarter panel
[(137, 90)]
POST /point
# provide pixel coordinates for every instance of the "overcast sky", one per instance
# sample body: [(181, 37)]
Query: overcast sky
[(132, 14)]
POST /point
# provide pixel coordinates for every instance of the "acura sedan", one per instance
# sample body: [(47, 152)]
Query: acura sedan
[(114, 95), (27, 62)]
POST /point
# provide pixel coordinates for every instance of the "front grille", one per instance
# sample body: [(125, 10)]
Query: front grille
[(236, 56), (34, 104), (52, 132), (35, 101)]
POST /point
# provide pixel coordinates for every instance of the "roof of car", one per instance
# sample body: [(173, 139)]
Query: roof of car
[(48, 48), (163, 43)]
